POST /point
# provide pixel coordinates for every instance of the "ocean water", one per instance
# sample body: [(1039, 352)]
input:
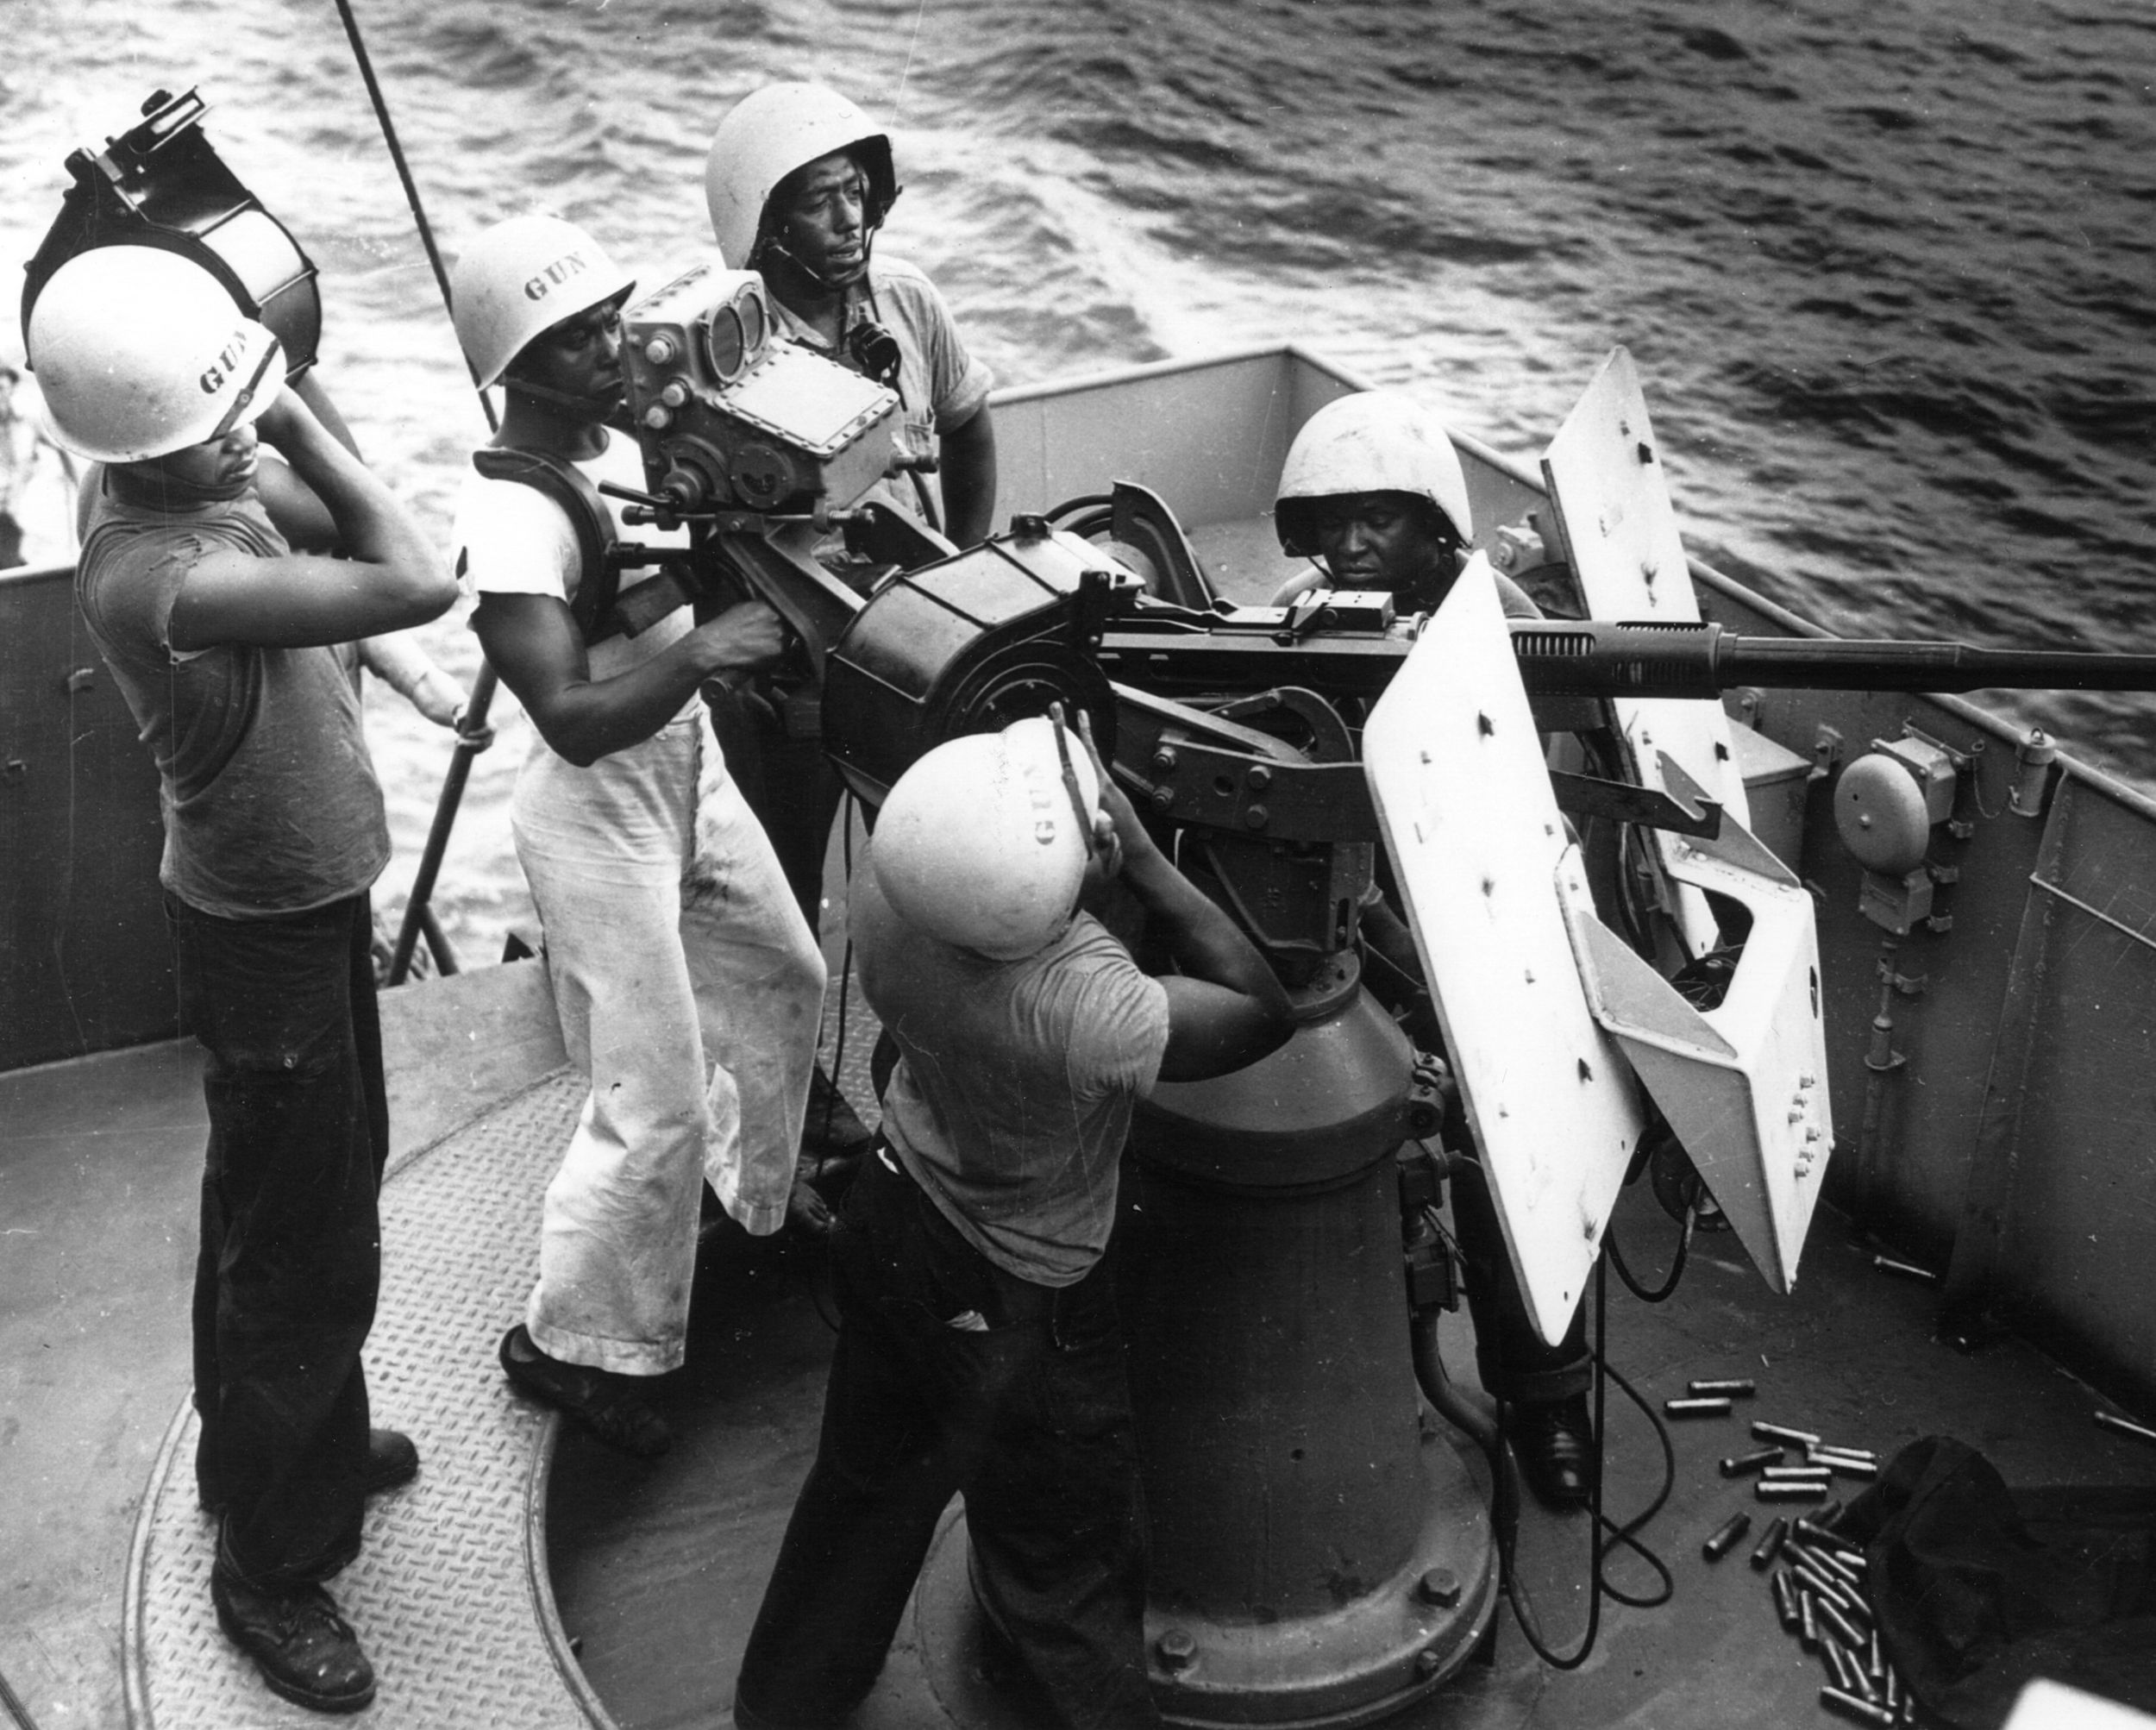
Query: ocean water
[(1889, 269)]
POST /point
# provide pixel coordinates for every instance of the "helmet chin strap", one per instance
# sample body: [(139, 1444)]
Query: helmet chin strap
[(614, 414), (772, 243)]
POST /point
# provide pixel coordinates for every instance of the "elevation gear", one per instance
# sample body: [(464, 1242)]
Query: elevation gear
[(983, 843), (141, 353), (765, 137), (522, 277), (1370, 442)]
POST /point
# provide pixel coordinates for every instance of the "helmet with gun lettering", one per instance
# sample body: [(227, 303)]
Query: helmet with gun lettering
[(983, 841), (523, 276), (141, 351)]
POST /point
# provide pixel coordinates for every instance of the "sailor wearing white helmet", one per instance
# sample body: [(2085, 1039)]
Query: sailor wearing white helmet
[(223, 641), (688, 986), (798, 182), (1373, 487), (979, 1351)]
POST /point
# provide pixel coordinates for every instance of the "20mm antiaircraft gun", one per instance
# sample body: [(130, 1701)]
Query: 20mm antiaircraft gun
[(1265, 1267)]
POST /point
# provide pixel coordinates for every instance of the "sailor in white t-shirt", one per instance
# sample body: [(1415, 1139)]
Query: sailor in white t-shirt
[(689, 988)]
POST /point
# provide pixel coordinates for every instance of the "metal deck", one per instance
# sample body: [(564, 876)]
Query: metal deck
[(450, 1594)]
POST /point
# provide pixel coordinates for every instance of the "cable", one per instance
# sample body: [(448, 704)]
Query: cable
[(1624, 1534), (1662, 1292), (1619, 1534)]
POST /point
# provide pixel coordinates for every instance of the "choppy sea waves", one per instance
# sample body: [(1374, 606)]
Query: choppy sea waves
[(1889, 271)]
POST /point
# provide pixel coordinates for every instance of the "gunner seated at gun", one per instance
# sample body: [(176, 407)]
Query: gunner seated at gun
[(1373, 488)]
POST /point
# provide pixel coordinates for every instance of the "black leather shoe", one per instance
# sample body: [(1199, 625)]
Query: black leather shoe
[(390, 1460), (306, 1651), (1552, 1442)]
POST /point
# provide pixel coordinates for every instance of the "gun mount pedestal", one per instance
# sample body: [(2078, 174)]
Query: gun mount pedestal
[(1321, 1551)]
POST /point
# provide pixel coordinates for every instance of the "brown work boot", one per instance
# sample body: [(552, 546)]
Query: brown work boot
[(306, 1651)]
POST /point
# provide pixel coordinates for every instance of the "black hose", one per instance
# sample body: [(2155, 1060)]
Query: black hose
[(1477, 1418)]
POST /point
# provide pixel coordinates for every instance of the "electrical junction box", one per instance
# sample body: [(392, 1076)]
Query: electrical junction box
[(1777, 783)]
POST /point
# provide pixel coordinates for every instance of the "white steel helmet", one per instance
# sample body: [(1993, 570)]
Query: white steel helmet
[(521, 277), (1370, 442), (765, 137), (141, 353), (983, 841)]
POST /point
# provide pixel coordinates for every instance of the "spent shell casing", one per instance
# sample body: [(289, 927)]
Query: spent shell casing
[(1892, 1687), (1845, 1451), (1810, 1530), (1737, 1387), (1821, 1584), (1846, 1466), (1908, 1271), (2125, 1427), (1782, 1490), (1716, 1406), (1875, 1660), (1794, 1474), (1770, 1544), (1781, 1432), (1739, 1465), (1807, 1618), (1724, 1537), (1840, 1564), (1854, 1707), (1847, 1632), (1837, 1666), (1785, 1599)]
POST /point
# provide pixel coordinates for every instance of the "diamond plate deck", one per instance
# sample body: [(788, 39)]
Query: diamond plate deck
[(450, 1594)]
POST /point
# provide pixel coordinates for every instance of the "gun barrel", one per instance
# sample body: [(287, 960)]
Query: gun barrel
[(1597, 658)]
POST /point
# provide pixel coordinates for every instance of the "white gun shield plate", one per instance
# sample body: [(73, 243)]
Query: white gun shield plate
[(1742, 1085), (1606, 478), (1480, 851)]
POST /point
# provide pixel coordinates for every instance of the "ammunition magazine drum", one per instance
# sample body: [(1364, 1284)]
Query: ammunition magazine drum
[(967, 645)]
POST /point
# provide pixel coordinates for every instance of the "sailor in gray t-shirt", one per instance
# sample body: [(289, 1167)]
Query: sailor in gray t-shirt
[(979, 1351)]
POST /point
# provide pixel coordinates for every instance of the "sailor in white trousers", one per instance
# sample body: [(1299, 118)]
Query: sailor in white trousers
[(690, 990), (688, 984)]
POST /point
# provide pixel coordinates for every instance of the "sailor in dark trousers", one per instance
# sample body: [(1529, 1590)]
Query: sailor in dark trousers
[(979, 1350), (222, 640)]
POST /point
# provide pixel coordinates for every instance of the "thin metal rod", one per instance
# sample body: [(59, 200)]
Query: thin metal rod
[(445, 817), (411, 188), (416, 911), (2124, 930)]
